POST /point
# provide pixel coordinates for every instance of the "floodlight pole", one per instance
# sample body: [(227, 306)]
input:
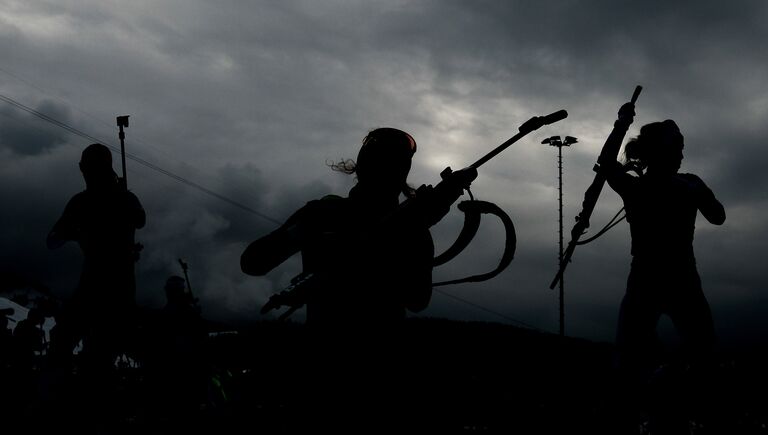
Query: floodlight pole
[(556, 142)]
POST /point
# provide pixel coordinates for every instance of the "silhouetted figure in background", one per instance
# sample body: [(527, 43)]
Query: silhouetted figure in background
[(28, 347), (29, 339), (9, 401), (102, 219), (175, 365), (6, 338), (180, 311), (370, 258), (661, 207)]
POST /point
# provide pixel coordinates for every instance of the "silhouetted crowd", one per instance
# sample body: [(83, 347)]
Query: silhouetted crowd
[(367, 261)]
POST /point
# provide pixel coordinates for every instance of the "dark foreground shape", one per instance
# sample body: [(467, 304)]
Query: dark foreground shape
[(473, 377)]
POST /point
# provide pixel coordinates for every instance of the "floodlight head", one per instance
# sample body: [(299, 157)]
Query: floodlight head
[(552, 140), (570, 140)]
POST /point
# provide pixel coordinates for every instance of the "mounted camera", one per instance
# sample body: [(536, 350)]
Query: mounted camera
[(122, 121)]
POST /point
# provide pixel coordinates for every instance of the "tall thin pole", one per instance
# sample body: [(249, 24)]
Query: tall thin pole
[(122, 121), (122, 154), (560, 222), (556, 142)]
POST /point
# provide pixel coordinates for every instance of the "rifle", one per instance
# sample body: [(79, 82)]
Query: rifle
[(295, 295), (185, 267), (608, 155), (122, 122)]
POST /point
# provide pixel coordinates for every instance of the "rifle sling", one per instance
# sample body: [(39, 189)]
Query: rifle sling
[(472, 211)]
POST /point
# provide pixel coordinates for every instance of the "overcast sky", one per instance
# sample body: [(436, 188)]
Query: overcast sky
[(251, 99)]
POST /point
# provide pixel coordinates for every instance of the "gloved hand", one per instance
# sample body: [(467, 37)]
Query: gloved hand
[(436, 201), (627, 113), (454, 183)]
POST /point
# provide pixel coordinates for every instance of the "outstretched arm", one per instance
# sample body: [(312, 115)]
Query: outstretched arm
[(269, 251)]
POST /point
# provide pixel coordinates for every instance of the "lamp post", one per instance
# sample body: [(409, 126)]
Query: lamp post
[(556, 142)]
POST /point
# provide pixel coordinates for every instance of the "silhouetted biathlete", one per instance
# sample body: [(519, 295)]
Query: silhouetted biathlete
[(367, 259), (174, 364), (370, 256), (180, 323), (102, 219), (661, 210), (661, 207)]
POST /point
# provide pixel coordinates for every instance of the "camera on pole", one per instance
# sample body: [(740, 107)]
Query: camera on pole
[(122, 122)]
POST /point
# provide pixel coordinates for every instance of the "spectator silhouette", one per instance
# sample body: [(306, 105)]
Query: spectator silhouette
[(10, 379), (661, 207), (180, 311), (370, 260), (102, 219), (29, 339), (6, 339), (175, 364)]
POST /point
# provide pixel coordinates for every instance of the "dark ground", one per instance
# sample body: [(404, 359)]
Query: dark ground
[(440, 377)]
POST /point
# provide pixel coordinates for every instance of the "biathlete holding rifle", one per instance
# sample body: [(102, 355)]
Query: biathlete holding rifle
[(661, 206), (103, 220), (371, 258), (368, 258)]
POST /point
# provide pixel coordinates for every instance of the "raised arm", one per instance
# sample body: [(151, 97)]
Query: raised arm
[(617, 177)]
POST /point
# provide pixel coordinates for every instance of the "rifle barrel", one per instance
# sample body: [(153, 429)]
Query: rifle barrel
[(592, 194), (528, 126), (497, 150)]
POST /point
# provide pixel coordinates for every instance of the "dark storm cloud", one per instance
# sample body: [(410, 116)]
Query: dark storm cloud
[(590, 47), (22, 133), (210, 234), (34, 192), (250, 100), (740, 165)]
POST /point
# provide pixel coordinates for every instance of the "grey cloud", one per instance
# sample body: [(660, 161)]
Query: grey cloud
[(738, 170), (22, 133), (250, 100), (34, 190)]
